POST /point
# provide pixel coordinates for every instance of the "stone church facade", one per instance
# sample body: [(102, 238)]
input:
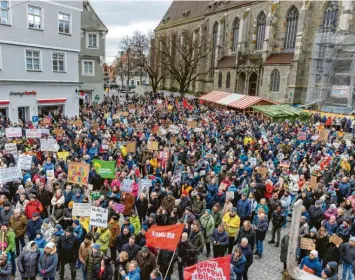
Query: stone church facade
[(261, 48)]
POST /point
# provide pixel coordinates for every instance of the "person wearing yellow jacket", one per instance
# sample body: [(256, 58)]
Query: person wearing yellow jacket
[(231, 222), (102, 237), (134, 220)]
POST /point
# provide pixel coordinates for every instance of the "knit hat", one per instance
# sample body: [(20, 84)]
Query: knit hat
[(21, 188), (95, 246), (234, 209), (58, 227), (7, 204), (352, 238), (49, 245), (314, 230), (126, 219), (76, 221), (314, 253), (332, 207), (208, 211), (145, 227), (46, 221)]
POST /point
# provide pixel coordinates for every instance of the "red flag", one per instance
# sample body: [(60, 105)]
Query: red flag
[(164, 237), (186, 104), (216, 269), (202, 101)]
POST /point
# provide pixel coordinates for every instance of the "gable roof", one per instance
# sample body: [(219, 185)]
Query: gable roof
[(280, 58), (86, 3), (227, 62)]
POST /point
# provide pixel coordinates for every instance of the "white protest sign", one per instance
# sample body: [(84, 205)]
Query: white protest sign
[(11, 148), (24, 161), (252, 161), (98, 217), (127, 185), (174, 129), (81, 209), (10, 174), (159, 101), (49, 145), (145, 186), (33, 133), (13, 132), (45, 131), (50, 173)]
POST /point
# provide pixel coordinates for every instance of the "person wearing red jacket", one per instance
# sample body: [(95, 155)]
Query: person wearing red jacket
[(33, 206)]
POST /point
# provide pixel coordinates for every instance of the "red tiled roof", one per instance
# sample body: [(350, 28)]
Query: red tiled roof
[(214, 96), (226, 62), (280, 58)]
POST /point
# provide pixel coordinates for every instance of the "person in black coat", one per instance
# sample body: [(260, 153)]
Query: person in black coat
[(122, 238), (140, 238), (163, 262), (68, 250), (220, 241), (184, 250), (248, 254), (332, 254), (105, 266), (247, 232), (316, 215), (33, 225), (142, 207), (131, 248), (260, 230), (44, 197)]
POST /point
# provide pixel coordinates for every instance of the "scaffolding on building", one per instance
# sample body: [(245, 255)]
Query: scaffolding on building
[(332, 70)]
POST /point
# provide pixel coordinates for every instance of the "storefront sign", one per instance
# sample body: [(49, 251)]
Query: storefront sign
[(12, 93), (13, 132), (33, 133)]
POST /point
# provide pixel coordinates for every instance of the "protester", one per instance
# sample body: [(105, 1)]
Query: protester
[(18, 223), (48, 262), (27, 261), (232, 224), (104, 270)]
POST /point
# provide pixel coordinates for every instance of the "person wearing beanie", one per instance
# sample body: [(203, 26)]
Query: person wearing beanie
[(232, 223), (68, 250), (207, 223), (58, 232), (47, 230), (147, 262), (311, 264), (40, 241), (78, 230), (92, 260), (48, 261), (168, 202), (6, 212)]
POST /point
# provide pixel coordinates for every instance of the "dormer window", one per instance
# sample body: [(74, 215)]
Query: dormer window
[(186, 14), (165, 19)]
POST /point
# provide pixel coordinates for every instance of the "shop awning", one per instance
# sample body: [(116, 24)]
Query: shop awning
[(247, 101), (4, 102), (214, 96), (55, 100), (281, 112), (230, 99)]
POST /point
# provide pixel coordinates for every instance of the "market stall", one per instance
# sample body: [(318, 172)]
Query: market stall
[(280, 112)]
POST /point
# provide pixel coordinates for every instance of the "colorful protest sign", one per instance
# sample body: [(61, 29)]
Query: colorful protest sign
[(95, 195), (63, 155), (106, 169), (153, 145), (58, 132), (49, 145), (285, 164), (307, 244), (81, 209), (230, 195), (11, 148), (223, 186), (118, 207), (33, 133), (10, 174), (47, 120), (216, 269), (98, 217), (174, 129), (131, 147), (127, 185), (78, 173), (164, 155), (164, 237), (301, 136), (24, 161), (50, 174), (13, 132)]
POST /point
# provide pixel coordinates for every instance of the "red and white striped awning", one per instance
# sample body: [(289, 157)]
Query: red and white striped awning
[(214, 96), (246, 101), (55, 100)]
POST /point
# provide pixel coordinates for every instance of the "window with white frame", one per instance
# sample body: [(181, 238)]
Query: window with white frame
[(92, 40), (88, 68), (4, 12), (64, 23), (275, 81), (58, 60), (33, 60), (34, 17)]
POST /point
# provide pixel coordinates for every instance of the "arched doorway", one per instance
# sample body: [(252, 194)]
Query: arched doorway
[(241, 83), (253, 84)]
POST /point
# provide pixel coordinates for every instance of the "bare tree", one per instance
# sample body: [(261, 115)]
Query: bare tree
[(148, 57), (120, 69), (127, 57), (183, 56)]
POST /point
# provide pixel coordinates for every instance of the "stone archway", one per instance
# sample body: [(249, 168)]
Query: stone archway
[(241, 83), (253, 84)]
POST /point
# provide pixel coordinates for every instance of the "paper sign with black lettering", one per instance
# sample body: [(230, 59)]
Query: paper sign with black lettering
[(11, 148), (81, 209), (10, 174), (49, 145), (24, 161), (98, 217)]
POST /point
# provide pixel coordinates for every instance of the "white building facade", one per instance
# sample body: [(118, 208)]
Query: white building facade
[(39, 52)]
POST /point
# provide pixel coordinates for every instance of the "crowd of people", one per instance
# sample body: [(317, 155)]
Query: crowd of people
[(227, 177)]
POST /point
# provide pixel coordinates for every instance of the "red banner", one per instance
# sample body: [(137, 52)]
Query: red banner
[(216, 269), (164, 237)]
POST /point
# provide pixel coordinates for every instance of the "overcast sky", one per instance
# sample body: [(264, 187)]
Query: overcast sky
[(123, 17)]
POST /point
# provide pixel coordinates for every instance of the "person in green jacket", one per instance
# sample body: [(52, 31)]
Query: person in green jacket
[(8, 243), (102, 237), (134, 220), (217, 214), (208, 226)]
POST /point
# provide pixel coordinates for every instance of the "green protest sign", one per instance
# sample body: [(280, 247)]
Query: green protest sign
[(106, 169)]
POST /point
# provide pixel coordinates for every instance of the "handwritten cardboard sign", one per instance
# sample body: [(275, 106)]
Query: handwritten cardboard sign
[(78, 123), (78, 173), (10, 174), (139, 127), (323, 135), (81, 209), (11, 148), (262, 170), (191, 124), (33, 133), (24, 161), (223, 186), (124, 114), (307, 244), (336, 239), (47, 120), (301, 136), (131, 147), (49, 145), (98, 217), (13, 132), (314, 183), (59, 132), (153, 145)]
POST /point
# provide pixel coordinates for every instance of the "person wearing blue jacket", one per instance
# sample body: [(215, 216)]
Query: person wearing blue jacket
[(219, 241), (238, 261), (133, 272), (78, 230), (311, 264), (48, 262), (33, 225), (244, 208)]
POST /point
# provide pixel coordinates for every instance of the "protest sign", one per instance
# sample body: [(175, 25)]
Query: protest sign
[(301, 136), (13, 132), (131, 106), (106, 169), (11, 148), (173, 140), (9, 174), (139, 127), (191, 124), (216, 269), (58, 132), (45, 131), (285, 164), (123, 114), (33, 133), (78, 172), (145, 185), (174, 129), (307, 244), (95, 195), (230, 195), (153, 145), (24, 161), (131, 147), (262, 170), (50, 174), (164, 237), (164, 155), (127, 185), (118, 207), (63, 155), (95, 126), (252, 161), (81, 209), (49, 145), (323, 135), (78, 123), (336, 239), (47, 120), (115, 116), (98, 217), (209, 156), (314, 183), (159, 101), (223, 186)]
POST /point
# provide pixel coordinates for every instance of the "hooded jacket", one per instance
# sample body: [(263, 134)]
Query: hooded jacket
[(238, 266), (5, 271), (102, 238), (146, 264), (28, 261), (84, 250), (91, 262), (208, 225), (311, 266), (68, 248), (134, 221), (348, 253), (233, 224), (47, 232), (133, 275), (48, 263)]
